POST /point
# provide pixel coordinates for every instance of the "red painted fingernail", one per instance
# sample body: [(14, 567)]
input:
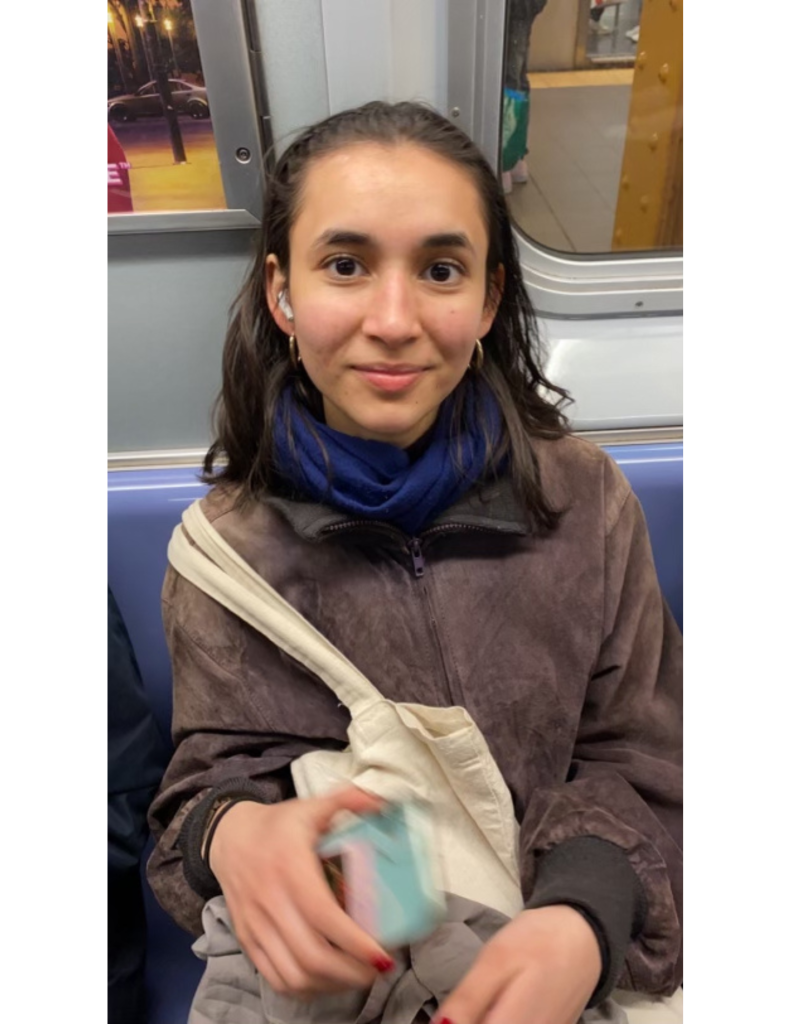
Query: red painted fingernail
[(445, 1020), (383, 964)]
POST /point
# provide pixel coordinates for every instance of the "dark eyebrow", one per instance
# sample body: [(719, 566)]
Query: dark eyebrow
[(450, 240), (340, 237), (445, 240)]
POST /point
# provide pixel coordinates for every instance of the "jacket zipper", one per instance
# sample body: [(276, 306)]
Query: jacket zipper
[(418, 561), (414, 547)]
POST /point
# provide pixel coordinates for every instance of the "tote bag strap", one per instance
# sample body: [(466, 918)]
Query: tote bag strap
[(213, 566)]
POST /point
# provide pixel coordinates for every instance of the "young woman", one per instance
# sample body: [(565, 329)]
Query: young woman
[(390, 458)]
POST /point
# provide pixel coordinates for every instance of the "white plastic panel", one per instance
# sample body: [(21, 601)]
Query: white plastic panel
[(322, 56), (419, 32), (291, 37), (358, 51), (622, 374)]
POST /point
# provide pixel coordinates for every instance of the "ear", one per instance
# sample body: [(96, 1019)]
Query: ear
[(275, 284), (493, 296)]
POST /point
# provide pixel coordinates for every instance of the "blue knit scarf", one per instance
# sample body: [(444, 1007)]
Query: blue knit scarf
[(375, 480)]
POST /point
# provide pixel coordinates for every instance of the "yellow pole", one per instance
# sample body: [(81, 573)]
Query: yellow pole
[(650, 198)]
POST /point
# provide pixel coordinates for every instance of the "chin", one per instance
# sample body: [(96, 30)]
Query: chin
[(393, 431)]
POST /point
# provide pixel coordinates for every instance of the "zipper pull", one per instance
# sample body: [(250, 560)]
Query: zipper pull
[(418, 561)]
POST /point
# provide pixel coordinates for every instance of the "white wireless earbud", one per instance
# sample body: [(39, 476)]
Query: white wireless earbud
[(282, 301)]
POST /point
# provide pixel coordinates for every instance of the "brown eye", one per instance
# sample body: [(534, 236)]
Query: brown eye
[(344, 266), (442, 273)]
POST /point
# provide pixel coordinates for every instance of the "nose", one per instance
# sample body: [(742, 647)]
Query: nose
[(392, 316)]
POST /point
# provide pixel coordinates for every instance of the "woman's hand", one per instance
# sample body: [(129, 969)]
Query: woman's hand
[(284, 913), (542, 968)]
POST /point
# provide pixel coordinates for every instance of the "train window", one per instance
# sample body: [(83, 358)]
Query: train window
[(591, 146)]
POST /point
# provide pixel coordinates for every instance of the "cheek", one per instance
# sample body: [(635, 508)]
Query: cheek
[(454, 331), (323, 329)]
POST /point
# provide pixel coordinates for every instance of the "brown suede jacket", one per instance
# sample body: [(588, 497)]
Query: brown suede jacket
[(561, 648)]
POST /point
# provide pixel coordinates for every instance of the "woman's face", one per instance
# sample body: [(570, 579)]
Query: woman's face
[(387, 284)]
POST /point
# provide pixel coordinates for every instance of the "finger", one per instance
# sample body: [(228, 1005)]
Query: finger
[(263, 964), (350, 798), (319, 908), (477, 992), (322, 962), (266, 969), (286, 967)]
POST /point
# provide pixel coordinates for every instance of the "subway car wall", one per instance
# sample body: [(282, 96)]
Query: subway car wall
[(594, 189)]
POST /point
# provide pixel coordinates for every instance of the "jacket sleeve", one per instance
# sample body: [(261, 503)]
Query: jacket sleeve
[(224, 731), (624, 785)]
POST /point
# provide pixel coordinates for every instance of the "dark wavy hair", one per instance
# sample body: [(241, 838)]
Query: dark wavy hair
[(256, 365)]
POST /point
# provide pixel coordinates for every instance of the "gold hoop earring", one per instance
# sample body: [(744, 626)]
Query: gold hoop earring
[(476, 364), (293, 352)]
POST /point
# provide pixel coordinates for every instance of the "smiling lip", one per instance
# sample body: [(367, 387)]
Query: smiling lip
[(390, 378)]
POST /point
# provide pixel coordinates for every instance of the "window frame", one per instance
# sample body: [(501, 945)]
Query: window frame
[(232, 66), (561, 284)]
